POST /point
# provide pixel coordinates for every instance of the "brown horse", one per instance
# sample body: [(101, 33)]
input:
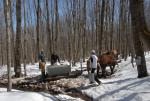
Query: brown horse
[(108, 59)]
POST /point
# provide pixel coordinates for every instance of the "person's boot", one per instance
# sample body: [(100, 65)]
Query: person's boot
[(92, 78), (97, 80)]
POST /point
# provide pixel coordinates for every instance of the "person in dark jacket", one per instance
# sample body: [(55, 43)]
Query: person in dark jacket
[(54, 58), (41, 56)]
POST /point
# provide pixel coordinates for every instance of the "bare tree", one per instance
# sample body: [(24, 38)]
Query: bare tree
[(112, 25), (12, 36), (18, 40), (49, 41), (8, 39), (84, 30), (145, 36), (56, 25), (72, 29), (102, 25), (137, 17), (25, 40), (38, 17), (97, 21)]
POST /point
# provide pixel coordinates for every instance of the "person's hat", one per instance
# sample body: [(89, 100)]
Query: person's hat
[(42, 50), (93, 52)]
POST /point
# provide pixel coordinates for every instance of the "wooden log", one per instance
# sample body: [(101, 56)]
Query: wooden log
[(58, 70)]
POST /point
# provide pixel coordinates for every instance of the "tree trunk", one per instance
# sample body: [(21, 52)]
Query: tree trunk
[(56, 26), (2, 45), (137, 17), (112, 26), (12, 37), (97, 22), (102, 25), (38, 30), (145, 35), (49, 41), (84, 31), (8, 39), (25, 40), (18, 40)]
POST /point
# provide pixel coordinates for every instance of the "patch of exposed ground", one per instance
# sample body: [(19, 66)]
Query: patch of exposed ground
[(68, 86)]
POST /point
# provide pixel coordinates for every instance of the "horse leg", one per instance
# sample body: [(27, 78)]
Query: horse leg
[(98, 68), (103, 71), (112, 69), (88, 71)]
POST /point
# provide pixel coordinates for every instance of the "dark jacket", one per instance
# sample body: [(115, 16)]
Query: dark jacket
[(54, 58), (41, 56)]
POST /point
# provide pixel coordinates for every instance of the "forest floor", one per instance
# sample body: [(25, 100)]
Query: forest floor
[(121, 86), (57, 86)]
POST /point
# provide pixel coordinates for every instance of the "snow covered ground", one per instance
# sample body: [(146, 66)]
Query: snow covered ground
[(122, 86), (24, 96), (16, 95)]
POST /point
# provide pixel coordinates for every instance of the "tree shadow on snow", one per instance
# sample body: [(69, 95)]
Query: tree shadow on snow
[(120, 81), (78, 89), (132, 96), (128, 86)]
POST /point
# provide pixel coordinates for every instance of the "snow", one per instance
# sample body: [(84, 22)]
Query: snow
[(122, 86), (67, 98), (32, 71), (16, 95)]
